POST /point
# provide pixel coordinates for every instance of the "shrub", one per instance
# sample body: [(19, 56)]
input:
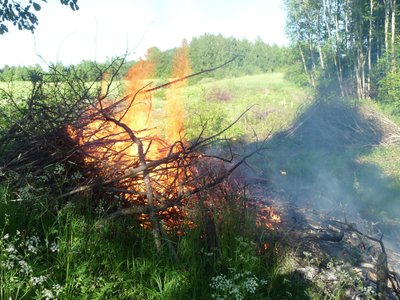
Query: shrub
[(389, 89)]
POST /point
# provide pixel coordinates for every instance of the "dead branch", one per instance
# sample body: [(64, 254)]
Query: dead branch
[(383, 271), (190, 76), (178, 200)]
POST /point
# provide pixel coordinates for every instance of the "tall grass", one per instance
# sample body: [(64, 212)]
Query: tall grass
[(63, 254)]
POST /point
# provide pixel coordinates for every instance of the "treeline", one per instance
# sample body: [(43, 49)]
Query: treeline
[(205, 52), (253, 57), (86, 71), (351, 45)]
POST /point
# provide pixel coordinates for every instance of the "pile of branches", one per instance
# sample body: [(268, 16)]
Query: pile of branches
[(45, 140), (338, 125)]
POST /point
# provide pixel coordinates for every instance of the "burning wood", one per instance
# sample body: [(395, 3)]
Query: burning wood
[(117, 139), (122, 151), (268, 217)]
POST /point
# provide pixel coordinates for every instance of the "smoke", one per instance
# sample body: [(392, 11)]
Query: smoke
[(319, 163)]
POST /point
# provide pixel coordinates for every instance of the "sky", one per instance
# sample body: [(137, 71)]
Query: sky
[(102, 29)]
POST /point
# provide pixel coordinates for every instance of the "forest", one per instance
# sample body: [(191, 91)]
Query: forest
[(348, 46)]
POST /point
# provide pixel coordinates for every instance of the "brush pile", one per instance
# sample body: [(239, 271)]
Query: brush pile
[(337, 125)]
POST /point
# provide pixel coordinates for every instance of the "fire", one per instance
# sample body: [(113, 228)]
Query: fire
[(267, 217), (174, 102), (113, 152)]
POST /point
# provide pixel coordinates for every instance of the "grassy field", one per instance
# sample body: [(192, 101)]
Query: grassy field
[(52, 253), (272, 100)]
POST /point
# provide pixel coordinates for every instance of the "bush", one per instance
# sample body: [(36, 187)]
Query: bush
[(389, 89)]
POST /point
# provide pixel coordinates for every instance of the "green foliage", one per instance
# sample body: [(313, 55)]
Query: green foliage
[(210, 50), (343, 46), (19, 73), (63, 253), (23, 16), (389, 89), (206, 51)]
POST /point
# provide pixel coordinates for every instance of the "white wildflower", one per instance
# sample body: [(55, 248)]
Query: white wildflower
[(11, 249), (38, 280), (33, 244), (48, 294), (9, 265), (250, 285), (54, 247), (57, 289), (25, 267)]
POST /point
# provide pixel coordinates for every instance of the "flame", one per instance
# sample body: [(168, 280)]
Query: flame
[(268, 217), (139, 116), (174, 108), (112, 151)]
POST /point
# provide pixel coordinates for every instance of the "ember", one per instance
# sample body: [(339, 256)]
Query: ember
[(267, 217), (143, 158), (114, 133)]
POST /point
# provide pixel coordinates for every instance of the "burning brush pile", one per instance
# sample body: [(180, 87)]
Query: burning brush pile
[(120, 150), (145, 167)]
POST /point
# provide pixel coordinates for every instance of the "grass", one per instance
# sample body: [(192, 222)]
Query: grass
[(272, 100), (52, 250), (66, 256)]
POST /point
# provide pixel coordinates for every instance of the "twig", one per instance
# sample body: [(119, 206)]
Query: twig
[(383, 272)]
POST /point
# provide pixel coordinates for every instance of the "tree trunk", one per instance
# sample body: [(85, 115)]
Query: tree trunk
[(386, 4), (321, 56), (371, 13), (393, 6), (339, 61), (310, 78), (334, 51), (310, 47)]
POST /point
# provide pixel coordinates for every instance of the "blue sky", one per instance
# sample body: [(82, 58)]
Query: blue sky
[(103, 28)]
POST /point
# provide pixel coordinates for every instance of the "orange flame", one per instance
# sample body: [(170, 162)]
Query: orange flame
[(117, 152), (268, 217), (174, 104)]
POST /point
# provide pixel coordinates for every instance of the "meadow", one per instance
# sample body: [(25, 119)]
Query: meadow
[(53, 250)]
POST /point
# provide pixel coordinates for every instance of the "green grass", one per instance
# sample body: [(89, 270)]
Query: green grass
[(65, 254), (273, 103), (40, 236)]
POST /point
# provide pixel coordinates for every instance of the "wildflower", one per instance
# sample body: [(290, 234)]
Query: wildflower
[(11, 249), (236, 286), (9, 265), (54, 247), (48, 294), (38, 280), (250, 285), (57, 289), (5, 237), (25, 267), (33, 244)]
